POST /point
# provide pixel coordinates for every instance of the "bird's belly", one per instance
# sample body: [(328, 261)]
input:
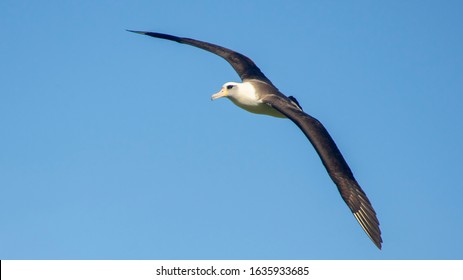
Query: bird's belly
[(257, 107)]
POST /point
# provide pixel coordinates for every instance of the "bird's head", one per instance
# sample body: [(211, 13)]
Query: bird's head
[(228, 89)]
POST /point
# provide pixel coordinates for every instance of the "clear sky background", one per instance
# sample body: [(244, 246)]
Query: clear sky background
[(110, 147)]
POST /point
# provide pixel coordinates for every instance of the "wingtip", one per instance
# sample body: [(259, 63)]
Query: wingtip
[(369, 224), (138, 32)]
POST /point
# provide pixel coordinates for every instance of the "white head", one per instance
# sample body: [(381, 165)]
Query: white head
[(228, 90)]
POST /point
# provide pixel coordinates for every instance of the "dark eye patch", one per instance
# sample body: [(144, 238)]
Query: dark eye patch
[(229, 86)]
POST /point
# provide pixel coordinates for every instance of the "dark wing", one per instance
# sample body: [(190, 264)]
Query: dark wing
[(243, 65), (334, 163)]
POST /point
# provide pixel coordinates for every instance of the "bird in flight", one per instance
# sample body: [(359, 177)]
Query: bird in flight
[(257, 94)]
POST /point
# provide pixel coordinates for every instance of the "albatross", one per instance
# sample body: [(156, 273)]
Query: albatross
[(257, 94)]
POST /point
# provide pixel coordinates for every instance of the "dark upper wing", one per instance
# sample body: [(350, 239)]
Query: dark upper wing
[(334, 163), (243, 65)]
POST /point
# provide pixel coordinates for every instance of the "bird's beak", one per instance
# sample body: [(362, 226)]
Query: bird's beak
[(222, 93)]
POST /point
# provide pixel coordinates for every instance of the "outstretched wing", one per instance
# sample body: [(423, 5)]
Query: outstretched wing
[(243, 65), (334, 163)]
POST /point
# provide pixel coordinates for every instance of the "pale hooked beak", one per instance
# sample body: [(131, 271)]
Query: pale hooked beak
[(222, 93)]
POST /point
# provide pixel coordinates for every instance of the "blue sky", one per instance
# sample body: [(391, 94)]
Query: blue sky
[(110, 147)]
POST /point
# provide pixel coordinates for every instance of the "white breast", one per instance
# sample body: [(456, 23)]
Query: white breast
[(244, 96)]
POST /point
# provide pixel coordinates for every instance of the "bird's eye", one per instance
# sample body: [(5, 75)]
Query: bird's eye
[(229, 86)]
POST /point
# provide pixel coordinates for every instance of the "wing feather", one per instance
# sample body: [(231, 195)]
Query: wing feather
[(242, 64), (335, 164)]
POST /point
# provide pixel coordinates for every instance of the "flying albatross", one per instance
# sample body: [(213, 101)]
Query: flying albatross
[(257, 94)]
